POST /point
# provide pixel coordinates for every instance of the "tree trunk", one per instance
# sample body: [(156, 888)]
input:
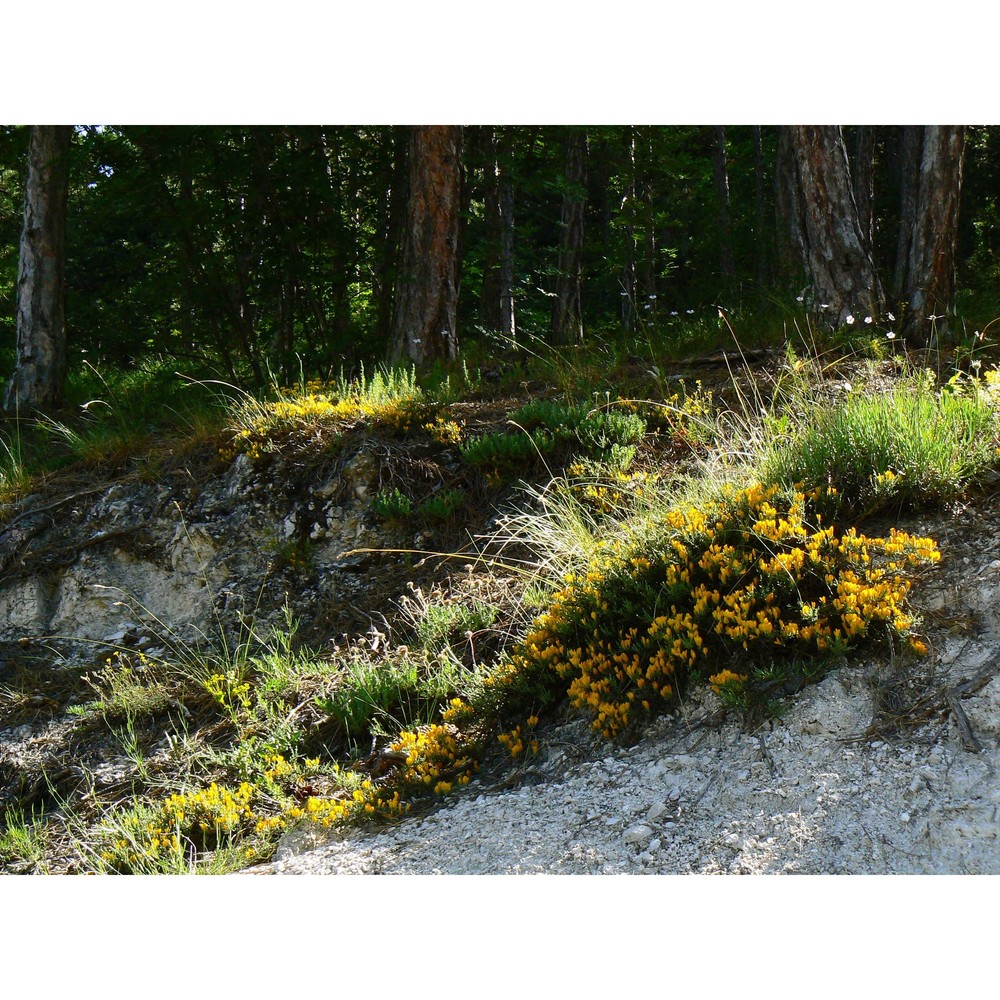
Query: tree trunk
[(788, 210), (629, 283), (40, 372), (760, 214), (722, 207), (928, 270), (909, 181), (841, 271), (567, 310), (496, 306), (390, 228), (863, 175), (425, 326)]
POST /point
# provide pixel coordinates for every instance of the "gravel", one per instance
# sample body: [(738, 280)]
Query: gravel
[(794, 796)]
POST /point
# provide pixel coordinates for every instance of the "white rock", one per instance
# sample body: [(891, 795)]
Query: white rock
[(656, 812)]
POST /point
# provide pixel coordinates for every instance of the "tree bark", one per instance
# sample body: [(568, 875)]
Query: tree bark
[(629, 283), (389, 226), (567, 311), (909, 182), (425, 322), (927, 278), (841, 271), (496, 306), (40, 372)]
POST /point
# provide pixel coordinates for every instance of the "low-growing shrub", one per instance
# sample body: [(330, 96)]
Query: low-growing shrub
[(508, 450), (441, 506)]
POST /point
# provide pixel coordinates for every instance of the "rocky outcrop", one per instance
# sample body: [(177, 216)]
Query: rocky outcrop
[(185, 558)]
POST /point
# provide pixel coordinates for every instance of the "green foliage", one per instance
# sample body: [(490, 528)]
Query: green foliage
[(441, 506), (390, 693), (561, 418), (23, 838), (394, 505), (910, 446), (129, 686), (444, 626), (603, 430)]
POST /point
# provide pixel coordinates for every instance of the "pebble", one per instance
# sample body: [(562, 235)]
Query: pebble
[(638, 834)]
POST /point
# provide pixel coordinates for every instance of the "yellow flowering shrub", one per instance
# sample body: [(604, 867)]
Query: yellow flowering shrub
[(196, 820), (392, 400), (745, 578), (517, 741), (444, 432)]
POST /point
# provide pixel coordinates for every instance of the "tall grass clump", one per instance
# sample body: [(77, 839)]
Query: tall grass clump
[(911, 446)]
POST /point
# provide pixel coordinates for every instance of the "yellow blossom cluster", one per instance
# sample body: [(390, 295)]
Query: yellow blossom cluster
[(681, 412), (457, 710), (433, 758), (726, 678), (444, 432), (744, 575), (614, 494), (514, 741)]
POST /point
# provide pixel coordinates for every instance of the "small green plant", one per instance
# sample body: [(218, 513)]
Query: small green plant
[(392, 505), (130, 686), (605, 429), (392, 692), (560, 418), (23, 838), (445, 625), (441, 506)]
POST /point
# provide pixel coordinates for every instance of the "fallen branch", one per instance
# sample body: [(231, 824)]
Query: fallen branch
[(932, 704), (965, 734)]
